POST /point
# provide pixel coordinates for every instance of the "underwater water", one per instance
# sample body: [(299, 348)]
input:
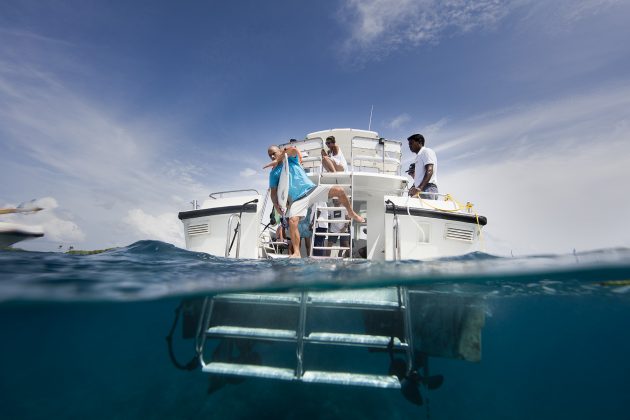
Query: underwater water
[(83, 336)]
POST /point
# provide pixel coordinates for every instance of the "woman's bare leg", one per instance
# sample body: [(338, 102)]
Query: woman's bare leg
[(338, 167), (328, 164)]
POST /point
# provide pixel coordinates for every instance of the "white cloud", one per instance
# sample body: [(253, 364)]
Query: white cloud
[(550, 177), (378, 27), (247, 173), (382, 25), (398, 121), (164, 227), (433, 129), (59, 140), (589, 119)]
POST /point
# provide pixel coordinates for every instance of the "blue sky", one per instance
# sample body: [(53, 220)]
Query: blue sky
[(116, 114)]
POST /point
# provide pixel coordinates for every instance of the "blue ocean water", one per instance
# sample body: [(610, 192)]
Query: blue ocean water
[(84, 336)]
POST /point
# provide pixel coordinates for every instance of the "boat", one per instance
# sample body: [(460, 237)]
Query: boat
[(12, 233), (233, 224), (402, 325)]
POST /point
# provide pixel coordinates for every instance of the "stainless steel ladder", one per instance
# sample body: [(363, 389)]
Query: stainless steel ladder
[(334, 176), (383, 301)]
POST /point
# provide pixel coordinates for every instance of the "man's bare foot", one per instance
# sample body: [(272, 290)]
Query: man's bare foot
[(295, 256)]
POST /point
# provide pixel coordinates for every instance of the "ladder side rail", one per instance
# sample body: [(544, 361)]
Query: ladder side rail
[(408, 329), (299, 370), (260, 219), (351, 229), (315, 210), (202, 326)]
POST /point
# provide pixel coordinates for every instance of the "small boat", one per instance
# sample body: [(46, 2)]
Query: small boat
[(12, 233)]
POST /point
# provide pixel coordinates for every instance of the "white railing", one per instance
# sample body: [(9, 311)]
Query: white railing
[(366, 154), (375, 155)]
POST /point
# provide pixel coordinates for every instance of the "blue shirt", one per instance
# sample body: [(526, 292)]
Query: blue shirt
[(299, 184)]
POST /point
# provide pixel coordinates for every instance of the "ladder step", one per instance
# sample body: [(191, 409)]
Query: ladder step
[(330, 208), (354, 339), (332, 248), (270, 298), (382, 298), (260, 333), (325, 258), (249, 370), (333, 220), (330, 234), (346, 378)]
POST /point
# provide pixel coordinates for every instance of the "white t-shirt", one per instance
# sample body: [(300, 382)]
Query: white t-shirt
[(323, 214), (337, 215), (425, 157), (340, 159)]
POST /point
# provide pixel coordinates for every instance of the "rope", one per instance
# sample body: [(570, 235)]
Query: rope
[(194, 362)]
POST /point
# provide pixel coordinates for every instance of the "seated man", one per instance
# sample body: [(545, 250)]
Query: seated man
[(333, 160), (303, 193)]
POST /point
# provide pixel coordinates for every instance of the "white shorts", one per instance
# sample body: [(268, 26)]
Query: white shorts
[(300, 207)]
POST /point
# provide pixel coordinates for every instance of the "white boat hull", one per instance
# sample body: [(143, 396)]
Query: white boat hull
[(12, 233)]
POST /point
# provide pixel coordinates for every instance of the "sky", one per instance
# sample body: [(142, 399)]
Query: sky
[(115, 115)]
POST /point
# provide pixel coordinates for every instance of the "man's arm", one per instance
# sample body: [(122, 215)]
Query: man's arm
[(289, 150), (274, 200), (427, 176)]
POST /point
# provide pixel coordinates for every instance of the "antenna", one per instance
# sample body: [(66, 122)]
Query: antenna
[(370, 124)]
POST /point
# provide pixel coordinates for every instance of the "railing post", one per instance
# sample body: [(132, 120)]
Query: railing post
[(229, 230)]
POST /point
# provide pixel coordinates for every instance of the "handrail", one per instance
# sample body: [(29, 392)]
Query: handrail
[(351, 230), (380, 144), (396, 241), (396, 237), (238, 239), (212, 195)]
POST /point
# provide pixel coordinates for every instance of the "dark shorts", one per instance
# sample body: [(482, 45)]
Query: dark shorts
[(319, 241)]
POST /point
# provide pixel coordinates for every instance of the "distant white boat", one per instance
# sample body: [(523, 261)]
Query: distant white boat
[(12, 233)]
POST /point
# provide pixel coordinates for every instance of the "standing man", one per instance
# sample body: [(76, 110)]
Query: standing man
[(303, 193), (425, 177)]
